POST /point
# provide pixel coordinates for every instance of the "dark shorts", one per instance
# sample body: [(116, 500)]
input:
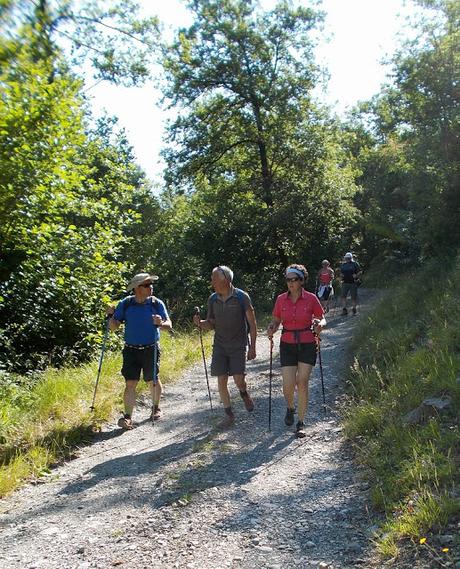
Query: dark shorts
[(135, 361), (228, 361), (326, 293), (351, 288), (292, 354)]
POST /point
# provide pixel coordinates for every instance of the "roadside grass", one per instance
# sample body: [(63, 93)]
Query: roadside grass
[(44, 421), (406, 351)]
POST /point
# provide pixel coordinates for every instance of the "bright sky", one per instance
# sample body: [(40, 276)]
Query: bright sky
[(358, 35)]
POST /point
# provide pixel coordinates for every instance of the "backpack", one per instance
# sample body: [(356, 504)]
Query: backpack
[(240, 296)]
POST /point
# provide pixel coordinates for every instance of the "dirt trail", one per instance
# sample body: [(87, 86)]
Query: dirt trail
[(182, 494)]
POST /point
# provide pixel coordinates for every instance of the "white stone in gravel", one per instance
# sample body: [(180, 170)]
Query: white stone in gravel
[(264, 548), (50, 531), (310, 544)]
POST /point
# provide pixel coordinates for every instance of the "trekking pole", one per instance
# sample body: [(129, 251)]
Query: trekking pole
[(101, 357), (197, 312), (270, 387), (155, 359), (321, 371)]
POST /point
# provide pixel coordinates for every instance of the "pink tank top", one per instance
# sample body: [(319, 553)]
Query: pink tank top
[(325, 277)]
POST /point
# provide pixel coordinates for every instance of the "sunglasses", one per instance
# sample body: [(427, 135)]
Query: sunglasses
[(146, 285), (292, 280)]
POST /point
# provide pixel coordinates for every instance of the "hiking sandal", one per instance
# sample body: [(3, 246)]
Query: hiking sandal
[(289, 418), (248, 402), (156, 413), (125, 423), (300, 432)]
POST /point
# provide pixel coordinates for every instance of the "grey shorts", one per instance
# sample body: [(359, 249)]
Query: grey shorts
[(135, 361), (351, 288), (228, 361)]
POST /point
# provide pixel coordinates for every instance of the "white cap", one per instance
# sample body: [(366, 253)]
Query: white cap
[(140, 278)]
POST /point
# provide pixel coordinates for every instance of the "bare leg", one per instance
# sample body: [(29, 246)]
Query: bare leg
[(129, 396), (222, 384), (289, 382), (303, 377), (156, 389), (240, 382)]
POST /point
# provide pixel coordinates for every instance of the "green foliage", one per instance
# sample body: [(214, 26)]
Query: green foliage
[(409, 157), (406, 352), (67, 213), (110, 38)]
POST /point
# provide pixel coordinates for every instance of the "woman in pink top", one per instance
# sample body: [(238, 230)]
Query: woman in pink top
[(324, 280), (301, 314)]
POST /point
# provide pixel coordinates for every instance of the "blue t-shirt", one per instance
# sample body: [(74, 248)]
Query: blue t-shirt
[(139, 327)]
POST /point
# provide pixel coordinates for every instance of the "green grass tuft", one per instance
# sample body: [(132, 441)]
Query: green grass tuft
[(408, 350)]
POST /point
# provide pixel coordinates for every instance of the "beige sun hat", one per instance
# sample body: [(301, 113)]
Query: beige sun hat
[(141, 278)]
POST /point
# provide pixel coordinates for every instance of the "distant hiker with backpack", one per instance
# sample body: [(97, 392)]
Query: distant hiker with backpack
[(350, 273), (324, 280), (302, 316), (231, 315), (143, 316)]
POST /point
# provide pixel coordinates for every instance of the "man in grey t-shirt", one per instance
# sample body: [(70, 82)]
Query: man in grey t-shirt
[(230, 313)]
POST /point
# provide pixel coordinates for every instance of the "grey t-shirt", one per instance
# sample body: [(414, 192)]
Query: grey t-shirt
[(230, 320)]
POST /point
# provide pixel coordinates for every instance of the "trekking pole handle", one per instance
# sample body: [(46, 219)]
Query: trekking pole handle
[(196, 312), (312, 329)]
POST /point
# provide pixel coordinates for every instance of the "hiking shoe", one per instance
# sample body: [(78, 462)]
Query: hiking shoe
[(156, 413), (289, 417), (227, 421), (125, 423), (354, 310), (248, 402), (300, 430), (344, 311)]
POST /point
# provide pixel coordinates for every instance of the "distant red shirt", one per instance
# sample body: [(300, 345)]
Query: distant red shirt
[(297, 316), (326, 276)]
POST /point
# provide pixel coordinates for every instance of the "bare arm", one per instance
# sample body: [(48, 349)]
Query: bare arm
[(251, 317)]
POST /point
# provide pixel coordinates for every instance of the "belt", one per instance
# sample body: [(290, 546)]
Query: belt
[(139, 346), (296, 333)]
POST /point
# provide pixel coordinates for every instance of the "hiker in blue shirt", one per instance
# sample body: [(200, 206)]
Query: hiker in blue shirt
[(143, 316), (231, 316)]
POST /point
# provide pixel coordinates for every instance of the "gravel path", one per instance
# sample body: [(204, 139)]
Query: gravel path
[(183, 494)]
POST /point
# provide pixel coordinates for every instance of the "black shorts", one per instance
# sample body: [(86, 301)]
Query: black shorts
[(292, 354), (135, 360)]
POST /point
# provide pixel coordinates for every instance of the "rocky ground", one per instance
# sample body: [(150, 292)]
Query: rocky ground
[(182, 493)]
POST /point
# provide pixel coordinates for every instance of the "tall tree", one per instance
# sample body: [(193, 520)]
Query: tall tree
[(262, 162), (411, 172)]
